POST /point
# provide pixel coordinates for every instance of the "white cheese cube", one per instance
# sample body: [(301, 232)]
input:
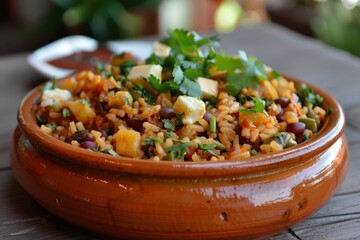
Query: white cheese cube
[(161, 50), (208, 87), (138, 73), (144, 71), (54, 97), (192, 108)]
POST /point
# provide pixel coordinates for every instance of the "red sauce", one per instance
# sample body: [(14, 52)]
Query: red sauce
[(83, 60)]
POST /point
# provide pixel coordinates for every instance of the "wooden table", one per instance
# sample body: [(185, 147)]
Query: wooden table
[(333, 70)]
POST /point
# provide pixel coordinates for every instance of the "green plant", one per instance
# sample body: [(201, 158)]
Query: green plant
[(338, 24)]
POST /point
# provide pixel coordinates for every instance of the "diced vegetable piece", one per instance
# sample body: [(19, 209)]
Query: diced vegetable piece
[(283, 139), (138, 73), (120, 99), (192, 108), (128, 143), (161, 50), (81, 110), (310, 124), (208, 87), (54, 97)]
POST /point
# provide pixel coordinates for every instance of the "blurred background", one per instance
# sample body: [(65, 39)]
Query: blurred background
[(27, 25)]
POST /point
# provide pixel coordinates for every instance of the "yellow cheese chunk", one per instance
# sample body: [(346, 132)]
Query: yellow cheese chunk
[(120, 99), (208, 87), (128, 143), (81, 111)]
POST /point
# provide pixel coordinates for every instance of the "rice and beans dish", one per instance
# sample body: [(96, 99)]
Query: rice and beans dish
[(188, 101)]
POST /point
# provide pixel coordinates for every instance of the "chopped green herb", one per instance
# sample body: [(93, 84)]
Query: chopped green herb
[(162, 87), (126, 66), (179, 149), (243, 72), (139, 91), (186, 85), (151, 142), (259, 107), (213, 124), (110, 152), (208, 147), (66, 112), (329, 112), (168, 124), (51, 125), (50, 85), (85, 102), (212, 102), (276, 74), (307, 96)]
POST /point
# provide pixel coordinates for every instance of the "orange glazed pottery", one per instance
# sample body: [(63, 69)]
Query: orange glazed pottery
[(118, 197)]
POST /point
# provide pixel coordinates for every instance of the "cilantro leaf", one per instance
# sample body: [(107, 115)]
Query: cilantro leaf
[(259, 106), (179, 149), (308, 96), (50, 85), (151, 142), (208, 147), (161, 87), (186, 85), (251, 73), (66, 112), (110, 152), (168, 124)]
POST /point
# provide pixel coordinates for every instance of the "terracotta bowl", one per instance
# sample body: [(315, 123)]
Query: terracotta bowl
[(127, 198)]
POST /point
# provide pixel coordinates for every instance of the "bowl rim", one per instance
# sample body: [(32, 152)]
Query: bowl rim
[(331, 131)]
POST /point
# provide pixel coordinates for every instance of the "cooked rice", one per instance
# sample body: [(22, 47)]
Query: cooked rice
[(237, 134)]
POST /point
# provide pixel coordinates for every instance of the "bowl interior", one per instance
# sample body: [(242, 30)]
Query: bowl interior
[(329, 133)]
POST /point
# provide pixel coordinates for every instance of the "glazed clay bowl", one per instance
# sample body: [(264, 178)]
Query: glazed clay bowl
[(118, 197)]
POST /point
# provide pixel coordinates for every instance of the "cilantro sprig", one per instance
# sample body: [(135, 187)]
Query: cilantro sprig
[(259, 106), (242, 72), (192, 56)]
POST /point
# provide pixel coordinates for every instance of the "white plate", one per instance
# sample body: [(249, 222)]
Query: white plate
[(71, 44)]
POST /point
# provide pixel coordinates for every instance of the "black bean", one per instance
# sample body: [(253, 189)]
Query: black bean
[(279, 115), (283, 102), (207, 116), (167, 113), (135, 124), (104, 134), (88, 137), (81, 136), (88, 145), (296, 128)]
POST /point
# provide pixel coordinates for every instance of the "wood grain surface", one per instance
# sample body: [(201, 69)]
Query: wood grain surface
[(335, 71)]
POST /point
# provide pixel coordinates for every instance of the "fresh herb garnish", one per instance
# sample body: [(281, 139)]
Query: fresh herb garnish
[(308, 96), (259, 106), (162, 87), (139, 91), (66, 112), (152, 141), (179, 149), (168, 124), (85, 102), (212, 102), (126, 66), (50, 85), (186, 81), (110, 152), (249, 73), (329, 111), (208, 147)]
